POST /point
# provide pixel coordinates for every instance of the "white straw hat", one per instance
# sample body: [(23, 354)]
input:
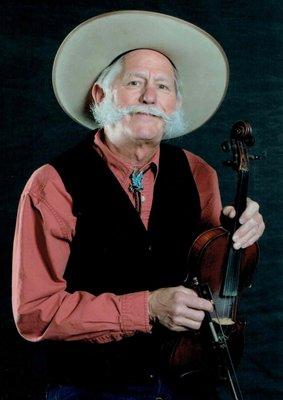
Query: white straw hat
[(92, 45)]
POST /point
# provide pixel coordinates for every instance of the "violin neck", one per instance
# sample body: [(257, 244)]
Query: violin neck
[(231, 281), (240, 201)]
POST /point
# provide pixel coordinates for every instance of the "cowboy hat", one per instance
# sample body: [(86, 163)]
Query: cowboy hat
[(92, 45)]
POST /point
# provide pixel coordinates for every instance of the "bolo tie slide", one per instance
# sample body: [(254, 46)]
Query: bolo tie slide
[(136, 187)]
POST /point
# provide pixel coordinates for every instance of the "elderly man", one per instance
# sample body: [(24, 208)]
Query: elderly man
[(103, 232)]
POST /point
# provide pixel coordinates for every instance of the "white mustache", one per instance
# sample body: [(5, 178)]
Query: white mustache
[(150, 110), (107, 113)]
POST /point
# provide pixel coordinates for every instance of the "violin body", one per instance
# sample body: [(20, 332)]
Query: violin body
[(191, 352), (207, 260)]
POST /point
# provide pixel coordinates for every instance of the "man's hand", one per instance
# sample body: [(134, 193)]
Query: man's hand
[(178, 308), (252, 224)]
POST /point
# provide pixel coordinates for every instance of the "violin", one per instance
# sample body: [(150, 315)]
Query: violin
[(218, 272)]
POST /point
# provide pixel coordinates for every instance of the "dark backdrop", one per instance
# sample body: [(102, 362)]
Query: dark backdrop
[(35, 129)]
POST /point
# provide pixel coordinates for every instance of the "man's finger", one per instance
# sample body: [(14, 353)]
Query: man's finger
[(251, 237), (251, 209), (199, 303), (255, 224), (251, 224), (229, 211), (189, 323), (247, 239)]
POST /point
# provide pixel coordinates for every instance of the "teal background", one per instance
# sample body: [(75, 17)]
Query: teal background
[(34, 129)]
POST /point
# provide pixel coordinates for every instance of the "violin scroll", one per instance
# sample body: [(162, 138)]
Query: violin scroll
[(240, 138), (242, 131)]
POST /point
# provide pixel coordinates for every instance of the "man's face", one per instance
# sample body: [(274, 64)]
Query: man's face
[(147, 78)]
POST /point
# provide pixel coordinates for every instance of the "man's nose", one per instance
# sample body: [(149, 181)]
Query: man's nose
[(148, 95)]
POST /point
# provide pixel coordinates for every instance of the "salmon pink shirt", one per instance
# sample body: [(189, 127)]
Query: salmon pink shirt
[(45, 227)]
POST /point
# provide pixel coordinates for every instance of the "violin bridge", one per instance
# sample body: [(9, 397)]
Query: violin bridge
[(223, 321)]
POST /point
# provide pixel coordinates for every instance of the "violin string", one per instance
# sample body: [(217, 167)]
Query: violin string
[(227, 300), (229, 356)]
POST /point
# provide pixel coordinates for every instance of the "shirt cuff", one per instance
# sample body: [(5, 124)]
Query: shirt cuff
[(134, 312)]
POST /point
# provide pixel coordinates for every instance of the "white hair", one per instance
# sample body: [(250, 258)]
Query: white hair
[(107, 76)]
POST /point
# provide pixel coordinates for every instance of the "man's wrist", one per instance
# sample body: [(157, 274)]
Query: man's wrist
[(153, 319)]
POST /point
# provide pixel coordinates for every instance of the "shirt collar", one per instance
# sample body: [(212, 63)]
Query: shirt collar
[(116, 161)]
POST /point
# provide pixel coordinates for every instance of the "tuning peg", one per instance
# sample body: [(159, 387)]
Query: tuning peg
[(254, 157), (228, 163), (226, 146)]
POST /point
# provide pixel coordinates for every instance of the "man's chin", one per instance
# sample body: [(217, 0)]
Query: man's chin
[(148, 127), (148, 135)]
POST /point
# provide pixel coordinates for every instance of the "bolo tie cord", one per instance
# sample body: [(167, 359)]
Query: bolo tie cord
[(136, 186)]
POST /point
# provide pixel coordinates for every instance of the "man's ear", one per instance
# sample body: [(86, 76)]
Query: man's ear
[(97, 93)]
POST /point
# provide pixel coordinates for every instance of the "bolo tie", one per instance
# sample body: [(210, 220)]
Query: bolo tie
[(136, 186)]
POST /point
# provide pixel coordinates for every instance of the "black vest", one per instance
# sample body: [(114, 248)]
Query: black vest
[(113, 252)]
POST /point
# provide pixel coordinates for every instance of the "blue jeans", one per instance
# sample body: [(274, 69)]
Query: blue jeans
[(157, 390)]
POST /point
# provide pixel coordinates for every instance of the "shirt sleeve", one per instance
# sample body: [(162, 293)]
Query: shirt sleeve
[(208, 187), (42, 307)]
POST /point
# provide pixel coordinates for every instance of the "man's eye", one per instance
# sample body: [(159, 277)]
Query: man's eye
[(133, 83), (162, 86)]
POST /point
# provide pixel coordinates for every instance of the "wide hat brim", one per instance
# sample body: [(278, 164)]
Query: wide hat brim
[(92, 45)]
